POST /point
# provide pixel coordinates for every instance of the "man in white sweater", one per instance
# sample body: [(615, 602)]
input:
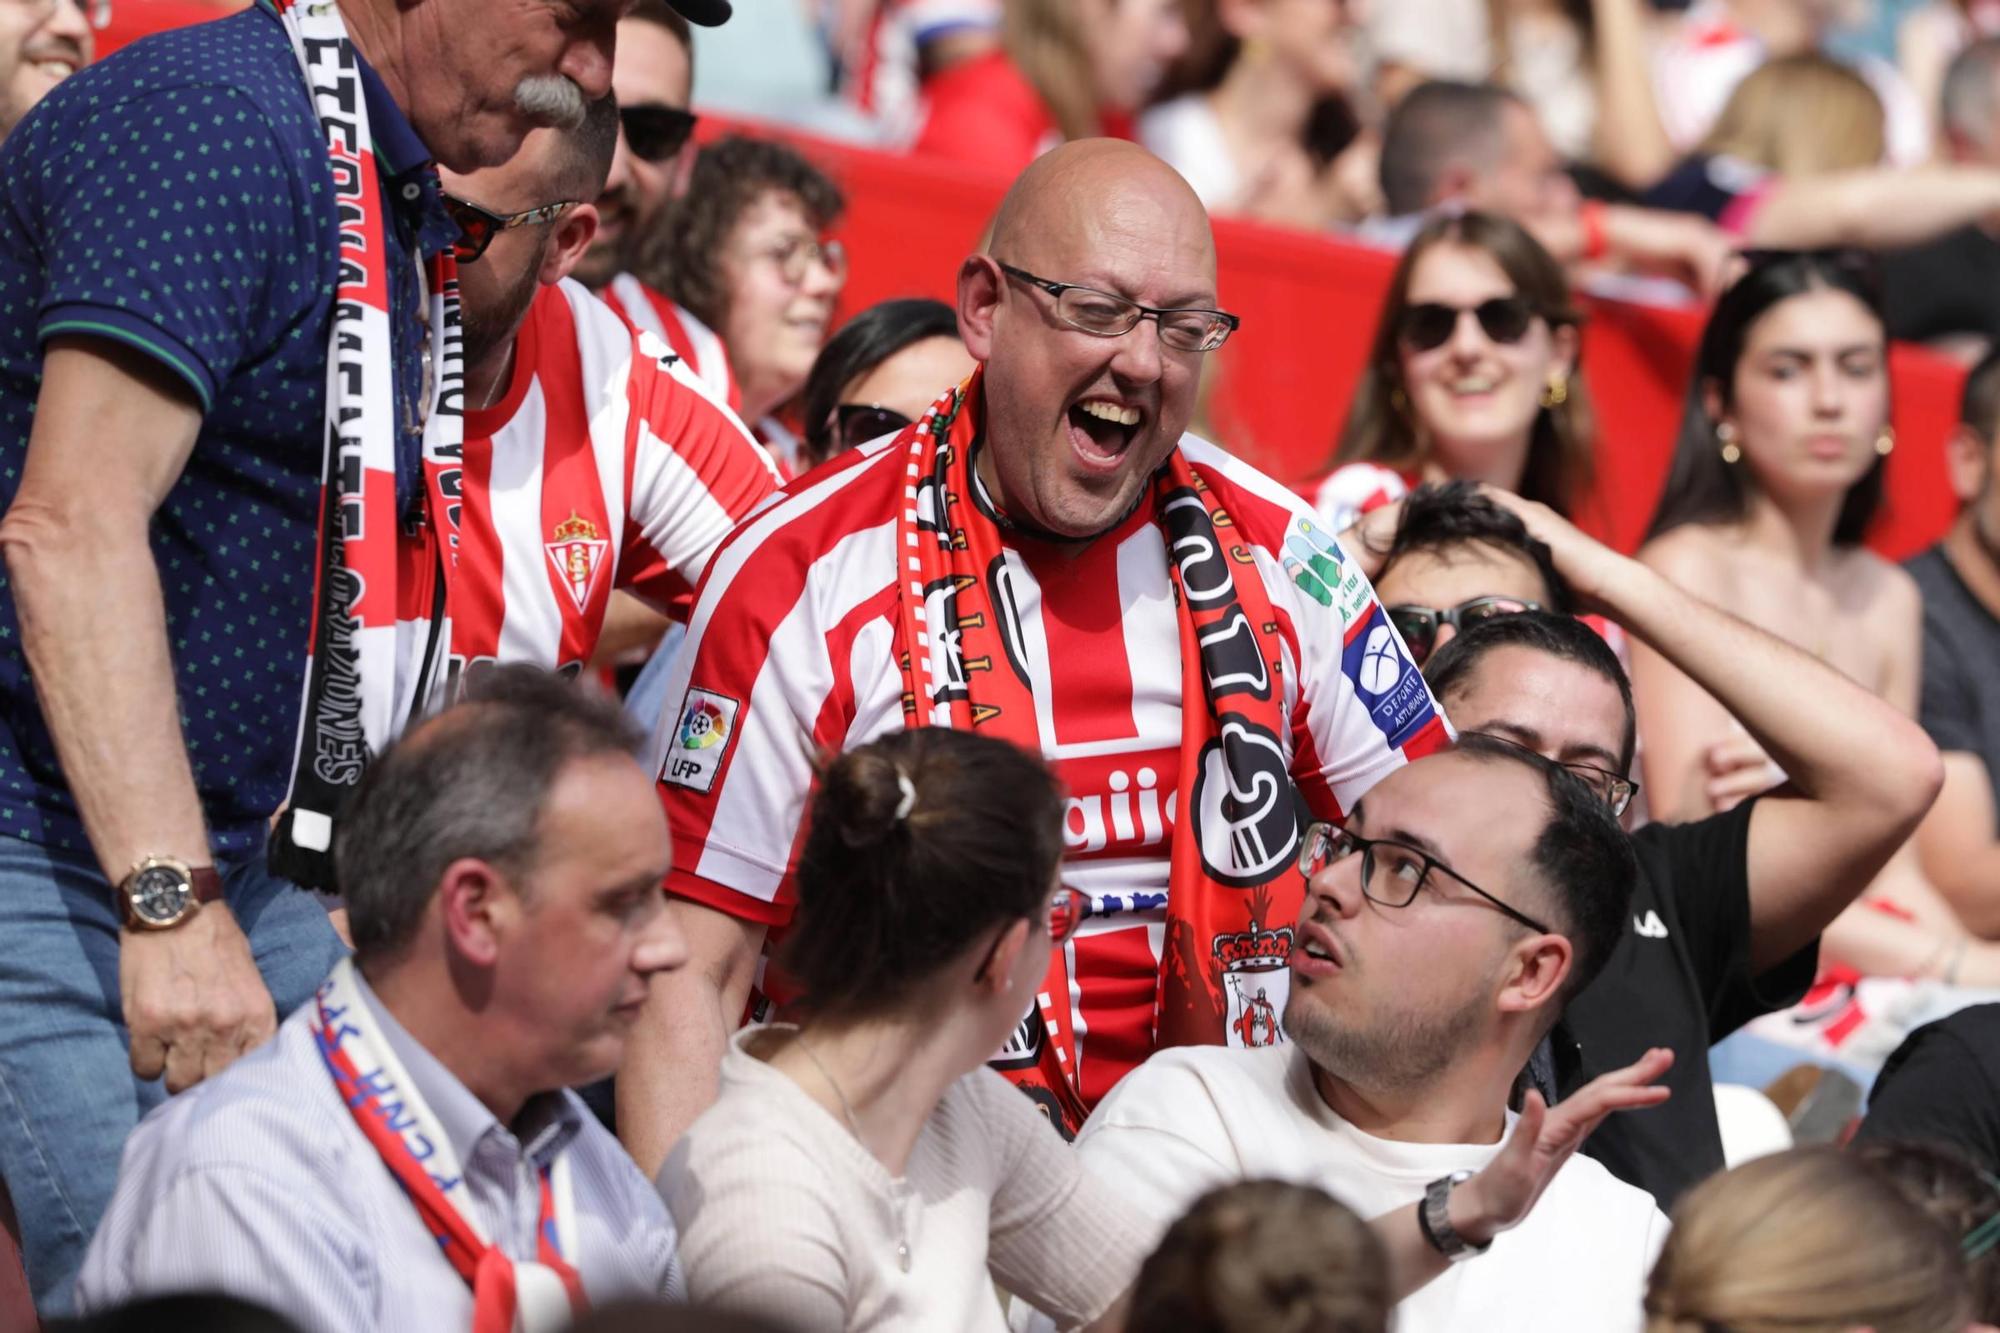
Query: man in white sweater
[(1445, 924)]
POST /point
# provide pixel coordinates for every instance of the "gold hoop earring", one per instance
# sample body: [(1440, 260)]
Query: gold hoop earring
[(1725, 432), (1399, 402), (1556, 392), (1885, 441)]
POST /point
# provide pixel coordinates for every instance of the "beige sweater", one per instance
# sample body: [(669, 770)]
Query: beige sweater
[(783, 1214)]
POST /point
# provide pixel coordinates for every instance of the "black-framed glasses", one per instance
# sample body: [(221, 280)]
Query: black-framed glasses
[(1616, 789), (1391, 873), (1429, 324), (1187, 329), (1066, 912), (1419, 624), (478, 225), (855, 424), (654, 133)]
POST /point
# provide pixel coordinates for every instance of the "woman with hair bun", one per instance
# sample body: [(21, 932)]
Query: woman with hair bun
[(1806, 1241)]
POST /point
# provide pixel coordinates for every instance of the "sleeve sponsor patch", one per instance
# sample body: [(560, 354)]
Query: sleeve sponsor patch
[(1322, 571), (700, 741), (1387, 682)]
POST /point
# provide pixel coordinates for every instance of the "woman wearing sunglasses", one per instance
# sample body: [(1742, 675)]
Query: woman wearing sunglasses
[(863, 1168), (1472, 374), (880, 372)]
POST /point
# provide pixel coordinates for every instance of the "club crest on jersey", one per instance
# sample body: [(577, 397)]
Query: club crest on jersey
[(701, 739), (578, 556)]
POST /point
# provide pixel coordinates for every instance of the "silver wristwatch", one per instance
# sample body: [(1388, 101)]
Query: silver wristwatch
[(1434, 1216)]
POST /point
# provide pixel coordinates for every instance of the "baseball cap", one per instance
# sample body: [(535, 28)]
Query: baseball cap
[(708, 13)]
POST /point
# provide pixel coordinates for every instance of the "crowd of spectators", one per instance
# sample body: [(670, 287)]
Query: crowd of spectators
[(557, 771)]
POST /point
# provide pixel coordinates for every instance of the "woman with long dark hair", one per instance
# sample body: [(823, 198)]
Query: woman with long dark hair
[(1472, 374), (1776, 476)]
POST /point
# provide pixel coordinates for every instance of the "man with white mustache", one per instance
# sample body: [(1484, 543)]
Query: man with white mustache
[(42, 42), (205, 615)]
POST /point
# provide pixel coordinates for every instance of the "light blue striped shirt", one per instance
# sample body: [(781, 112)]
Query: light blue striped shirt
[(258, 1183)]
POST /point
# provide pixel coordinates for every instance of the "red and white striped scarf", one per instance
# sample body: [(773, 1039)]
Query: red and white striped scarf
[(379, 623)]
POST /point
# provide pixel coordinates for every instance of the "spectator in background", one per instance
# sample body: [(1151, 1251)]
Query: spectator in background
[(42, 42), (403, 1154), (1242, 144), (1701, 55), (651, 77), (885, 51), (1472, 374), (1581, 65), (1727, 911), (1478, 146), (1958, 1194), (748, 255), (1806, 1241), (1466, 897), (1937, 292), (1793, 163), (1942, 1086), (882, 371), (1934, 33), (1959, 702), (1774, 481), (864, 1168), (1066, 69), (1265, 1255)]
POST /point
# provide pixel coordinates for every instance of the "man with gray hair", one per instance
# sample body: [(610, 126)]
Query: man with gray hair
[(404, 1154), (231, 410), (1941, 292)]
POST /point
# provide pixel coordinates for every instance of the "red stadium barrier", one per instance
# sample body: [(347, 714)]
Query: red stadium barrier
[(1279, 390)]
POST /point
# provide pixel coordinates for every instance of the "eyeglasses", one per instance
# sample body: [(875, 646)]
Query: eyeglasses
[(1429, 324), (1187, 329), (1614, 789), (655, 133), (1404, 869), (97, 13), (857, 423), (796, 257), (1419, 624), (478, 226)]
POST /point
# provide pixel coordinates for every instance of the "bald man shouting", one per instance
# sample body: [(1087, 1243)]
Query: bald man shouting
[(1045, 556)]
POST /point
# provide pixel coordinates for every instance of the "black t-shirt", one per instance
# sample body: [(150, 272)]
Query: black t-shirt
[(1943, 287), (1679, 977), (1961, 692), (1943, 1086)]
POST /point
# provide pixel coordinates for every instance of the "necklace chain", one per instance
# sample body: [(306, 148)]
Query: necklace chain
[(897, 1197)]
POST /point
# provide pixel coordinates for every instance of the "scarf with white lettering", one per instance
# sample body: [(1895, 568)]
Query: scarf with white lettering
[(508, 1295), (379, 623), (1233, 891)]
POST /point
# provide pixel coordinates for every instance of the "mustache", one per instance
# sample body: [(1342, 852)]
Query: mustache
[(551, 100)]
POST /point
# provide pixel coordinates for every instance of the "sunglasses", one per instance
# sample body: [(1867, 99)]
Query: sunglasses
[(1419, 624), (656, 133), (1430, 324), (857, 423), (478, 226)]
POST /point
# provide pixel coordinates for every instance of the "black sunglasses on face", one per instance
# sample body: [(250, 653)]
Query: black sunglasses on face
[(1430, 324), (1419, 624), (478, 226), (857, 423), (656, 133), (1403, 870)]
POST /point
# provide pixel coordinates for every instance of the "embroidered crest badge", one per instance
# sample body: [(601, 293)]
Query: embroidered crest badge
[(578, 555)]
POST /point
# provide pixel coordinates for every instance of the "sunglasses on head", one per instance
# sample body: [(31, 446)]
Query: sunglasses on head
[(477, 226), (857, 423), (1419, 624), (1429, 324), (656, 133)]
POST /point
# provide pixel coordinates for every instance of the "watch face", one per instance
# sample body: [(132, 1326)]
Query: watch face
[(160, 894)]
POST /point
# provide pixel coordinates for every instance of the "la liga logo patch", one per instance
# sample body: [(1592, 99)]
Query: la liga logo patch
[(707, 725)]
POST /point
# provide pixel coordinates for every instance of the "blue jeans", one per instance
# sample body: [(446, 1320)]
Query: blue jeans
[(68, 1097)]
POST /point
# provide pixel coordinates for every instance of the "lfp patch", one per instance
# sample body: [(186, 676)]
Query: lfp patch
[(708, 723)]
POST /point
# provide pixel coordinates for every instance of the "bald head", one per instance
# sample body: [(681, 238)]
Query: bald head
[(1069, 192)]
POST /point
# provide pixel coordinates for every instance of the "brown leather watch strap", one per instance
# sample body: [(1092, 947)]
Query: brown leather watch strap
[(207, 883)]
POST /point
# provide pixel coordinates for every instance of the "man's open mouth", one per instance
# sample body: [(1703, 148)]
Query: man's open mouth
[(1102, 431)]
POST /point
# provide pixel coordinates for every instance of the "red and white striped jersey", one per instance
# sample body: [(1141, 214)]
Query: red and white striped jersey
[(700, 346), (790, 652), (605, 465)]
